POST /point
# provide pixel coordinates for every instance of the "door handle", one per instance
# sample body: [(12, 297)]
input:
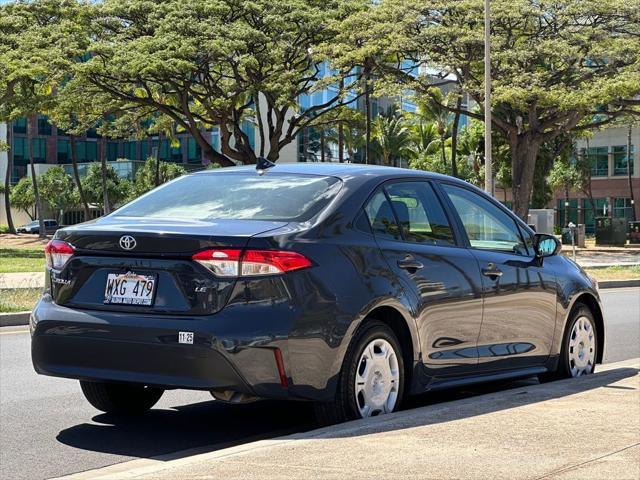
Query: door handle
[(410, 264), (492, 271)]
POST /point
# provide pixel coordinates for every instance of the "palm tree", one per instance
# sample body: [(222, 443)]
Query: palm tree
[(392, 136), (423, 136), (432, 109)]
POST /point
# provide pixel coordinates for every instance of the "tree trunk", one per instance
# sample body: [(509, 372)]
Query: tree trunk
[(340, 143), (7, 178), (76, 178), (629, 160), (443, 150), (524, 152), (565, 220), (367, 112), (105, 192), (42, 233), (454, 138), (157, 173), (322, 154)]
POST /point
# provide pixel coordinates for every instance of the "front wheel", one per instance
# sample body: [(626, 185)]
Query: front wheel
[(120, 398), (579, 347), (372, 377)]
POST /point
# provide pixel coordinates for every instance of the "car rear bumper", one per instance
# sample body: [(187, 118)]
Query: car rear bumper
[(111, 346)]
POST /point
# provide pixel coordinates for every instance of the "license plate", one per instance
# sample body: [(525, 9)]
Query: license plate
[(129, 289)]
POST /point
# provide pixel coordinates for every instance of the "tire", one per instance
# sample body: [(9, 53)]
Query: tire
[(579, 347), (387, 386), (120, 398)]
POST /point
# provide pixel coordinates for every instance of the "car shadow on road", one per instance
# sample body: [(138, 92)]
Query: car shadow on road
[(213, 424), (210, 426)]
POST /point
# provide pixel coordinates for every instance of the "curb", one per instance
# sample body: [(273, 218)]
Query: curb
[(14, 319), (618, 283)]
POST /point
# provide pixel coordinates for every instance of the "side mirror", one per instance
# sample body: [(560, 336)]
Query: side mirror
[(546, 245)]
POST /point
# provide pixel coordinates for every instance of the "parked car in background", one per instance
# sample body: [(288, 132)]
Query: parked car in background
[(351, 286), (50, 226)]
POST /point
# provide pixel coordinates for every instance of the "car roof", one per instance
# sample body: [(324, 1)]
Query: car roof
[(343, 171)]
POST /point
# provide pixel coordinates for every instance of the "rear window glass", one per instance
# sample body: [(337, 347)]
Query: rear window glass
[(283, 197)]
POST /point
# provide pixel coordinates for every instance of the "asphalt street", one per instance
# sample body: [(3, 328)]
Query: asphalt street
[(47, 428)]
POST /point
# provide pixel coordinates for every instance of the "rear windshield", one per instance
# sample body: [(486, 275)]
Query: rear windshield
[(283, 197)]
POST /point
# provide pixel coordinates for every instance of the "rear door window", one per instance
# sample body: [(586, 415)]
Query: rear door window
[(421, 216), (238, 196)]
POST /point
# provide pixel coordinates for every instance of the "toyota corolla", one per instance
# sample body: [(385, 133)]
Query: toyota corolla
[(346, 285)]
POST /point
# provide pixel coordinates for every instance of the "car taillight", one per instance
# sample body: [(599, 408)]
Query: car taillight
[(235, 263), (58, 253)]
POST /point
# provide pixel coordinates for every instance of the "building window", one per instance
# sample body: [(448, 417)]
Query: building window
[(601, 210), (194, 152), (599, 158), (63, 151), (215, 139), (39, 150), (44, 127), (620, 159), (130, 150), (112, 151), (87, 151), (20, 125), (19, 151), (572, 212), (175, 152), (622, 208), (144, 150)]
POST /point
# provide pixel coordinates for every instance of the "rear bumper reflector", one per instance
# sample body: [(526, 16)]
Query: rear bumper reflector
[(280, 364)]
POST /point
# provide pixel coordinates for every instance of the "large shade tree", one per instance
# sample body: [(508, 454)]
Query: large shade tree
[(557, 66), (218, 63)]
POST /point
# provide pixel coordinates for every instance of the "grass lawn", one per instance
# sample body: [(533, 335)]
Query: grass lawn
[(21, 260), (615, 273), (18, 299)]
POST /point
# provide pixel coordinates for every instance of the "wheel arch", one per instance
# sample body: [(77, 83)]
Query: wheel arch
[(400, 325)]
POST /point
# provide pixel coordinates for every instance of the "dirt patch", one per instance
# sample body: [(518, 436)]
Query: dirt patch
[(24, 240)]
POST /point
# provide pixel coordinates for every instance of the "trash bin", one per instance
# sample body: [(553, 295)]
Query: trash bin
[(634, 232), (611, 231), (581, 236)]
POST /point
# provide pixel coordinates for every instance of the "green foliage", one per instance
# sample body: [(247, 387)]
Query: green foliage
[(4, 228), (22, 197), (146, 175), (392, 136), (57, 190), (118, 189)]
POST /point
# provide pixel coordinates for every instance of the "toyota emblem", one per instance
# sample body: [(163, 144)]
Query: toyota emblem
[(127, 242)]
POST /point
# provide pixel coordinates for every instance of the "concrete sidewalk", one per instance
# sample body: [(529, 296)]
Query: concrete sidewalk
[(573, 429)]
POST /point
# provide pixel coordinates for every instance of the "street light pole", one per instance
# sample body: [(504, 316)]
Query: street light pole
[(488, 165)]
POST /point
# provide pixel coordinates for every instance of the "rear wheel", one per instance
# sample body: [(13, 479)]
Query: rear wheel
[(372, 377), (579, 347), (121, 398)]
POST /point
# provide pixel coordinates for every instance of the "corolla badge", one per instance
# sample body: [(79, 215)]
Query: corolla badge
[(127, 242)]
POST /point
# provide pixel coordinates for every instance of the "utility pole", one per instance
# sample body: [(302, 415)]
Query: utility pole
[(488, 165), (629, 160)]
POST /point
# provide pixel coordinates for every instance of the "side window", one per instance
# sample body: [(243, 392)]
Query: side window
[(381, 218), (420, 213), (487, 227)]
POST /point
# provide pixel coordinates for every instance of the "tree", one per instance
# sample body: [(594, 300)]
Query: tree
[(118, 189), (4, 147), (216, 63), (433, 108), (145, 178), (557, 66), (392, 135), (58, 191), (22, 197), (36, 45), (564, 173)]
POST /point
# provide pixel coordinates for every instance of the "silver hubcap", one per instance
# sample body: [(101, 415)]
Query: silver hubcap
[(377, 379), (582, 348)]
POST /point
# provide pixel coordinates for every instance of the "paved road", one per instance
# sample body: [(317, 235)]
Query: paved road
[(47, 429)]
